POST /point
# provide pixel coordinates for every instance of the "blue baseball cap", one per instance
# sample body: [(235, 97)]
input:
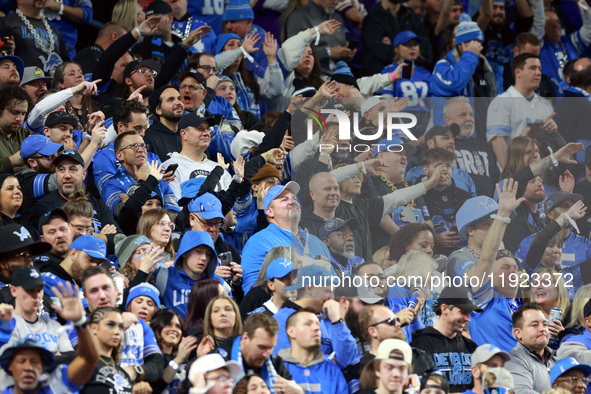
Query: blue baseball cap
[(92, 246), (566, 364), (38, 144), (473, 210), (26, 343), (310, 275), (405, 36), (277, 190), (279, 268), (20, 66), (208, 206), (146, 290), (190, 189), (336, 224), (409, 149)]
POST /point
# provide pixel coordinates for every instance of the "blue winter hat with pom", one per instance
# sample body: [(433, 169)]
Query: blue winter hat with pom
[(343, 74), (468, 30)]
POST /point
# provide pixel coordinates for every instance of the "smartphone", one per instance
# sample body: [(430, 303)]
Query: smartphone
[(226, 258), (407, 71), (172, 167), (107, 264)]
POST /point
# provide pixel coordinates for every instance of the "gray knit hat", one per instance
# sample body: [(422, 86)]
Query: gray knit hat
[(124, 248)]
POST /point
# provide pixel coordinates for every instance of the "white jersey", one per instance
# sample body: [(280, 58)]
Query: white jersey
[(189, 169), (510, 112), (47, 332)]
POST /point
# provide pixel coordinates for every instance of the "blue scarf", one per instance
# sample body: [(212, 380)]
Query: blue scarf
[(268, 373)]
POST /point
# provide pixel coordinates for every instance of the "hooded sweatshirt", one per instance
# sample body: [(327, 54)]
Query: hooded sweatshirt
[(452, 356), (320, 376), (175, 285)]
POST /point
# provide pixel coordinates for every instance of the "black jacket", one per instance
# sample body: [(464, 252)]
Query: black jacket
[(163, 141), (380, 23), (452, 356)]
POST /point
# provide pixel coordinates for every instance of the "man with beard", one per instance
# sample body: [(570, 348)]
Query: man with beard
[(12, 69), (473, 155), (162, 135), (305, 360), (70, 176), (337, 234), (135, 173), (86, 251), (445, 342), (498, 35), (14, 106), (192, 161), (55, 229), (531, 359), (38, 153)]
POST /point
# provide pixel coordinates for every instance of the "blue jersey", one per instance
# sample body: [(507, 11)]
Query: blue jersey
[(404, 215), (209, 12), (493, 324), (138, 343), (398, 298), (321, 377), (554, 56), (206, 44), (415, 89), (461, 178), (124, 183), (335, 338), (105, 165), (261, 243), (68, 29), (576, 250)]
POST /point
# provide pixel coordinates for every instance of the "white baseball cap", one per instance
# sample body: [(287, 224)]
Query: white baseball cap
[(212, 362)]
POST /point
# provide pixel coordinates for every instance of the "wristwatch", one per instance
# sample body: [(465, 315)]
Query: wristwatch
[(173, 365), (140, 373)]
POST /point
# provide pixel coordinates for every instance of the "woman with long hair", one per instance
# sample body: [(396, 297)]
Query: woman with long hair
[(136, 254), (253, 91), (128, 13), (222, 319), (201, 293), (107, 326), (522, 152), (69, 75), (157, 225)]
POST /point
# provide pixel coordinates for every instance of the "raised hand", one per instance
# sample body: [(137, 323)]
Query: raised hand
[(150, 26), (98, 133), (577, 210), (71, 305), (205, 346), (327, 89), (507, 201), (149, 260), (155, 169), (548, 124), (250, 41), (186, 347), (329, 27), (137, 94), (85, 87), (563, 155), (567, 181), (221, 162), (69, 144), (196, 35), (396, 104), (108, 229), (270, 46), (434, 178), (6, 311), (238, 166)]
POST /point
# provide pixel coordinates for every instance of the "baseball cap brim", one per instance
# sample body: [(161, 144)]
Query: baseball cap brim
[(211, 215), (50, 149), (292, 186), (96, 255), (32, 283)]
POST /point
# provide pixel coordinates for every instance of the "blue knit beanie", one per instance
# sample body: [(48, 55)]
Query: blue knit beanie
[(468, 30), (238, 10), (343, 74), (223, 39)]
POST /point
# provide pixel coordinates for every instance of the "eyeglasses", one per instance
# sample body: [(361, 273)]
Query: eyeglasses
[(222, 379), (191, 87), (390, 321), (143, 71), (85, 230), (25, 254), (136, 147), (207, 69), (210, 225), (574, 380), (167, 224)]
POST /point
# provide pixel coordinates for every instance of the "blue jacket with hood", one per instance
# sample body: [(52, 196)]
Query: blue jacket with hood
[(175, 285)]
